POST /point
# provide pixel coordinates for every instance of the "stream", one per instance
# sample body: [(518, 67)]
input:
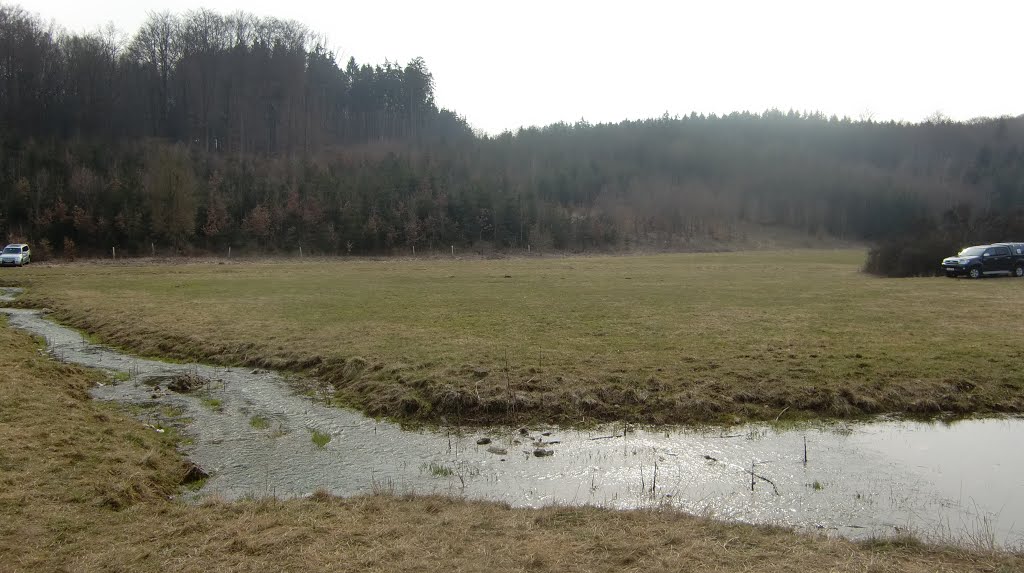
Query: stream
[(960, 482)]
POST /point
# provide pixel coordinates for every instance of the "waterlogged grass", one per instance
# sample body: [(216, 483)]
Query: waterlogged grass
[(171, 412), (196, 485), (259, 422), (663, 338), (438, 470), (319, 438), (95, 496), (214, 404)]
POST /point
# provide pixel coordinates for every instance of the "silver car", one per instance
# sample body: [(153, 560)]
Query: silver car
[(15, 255)]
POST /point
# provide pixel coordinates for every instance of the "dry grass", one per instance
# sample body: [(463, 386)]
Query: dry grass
[(662, 338), (84, 489)]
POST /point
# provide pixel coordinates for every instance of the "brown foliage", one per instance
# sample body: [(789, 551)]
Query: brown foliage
[(70, 251), (257, 222)]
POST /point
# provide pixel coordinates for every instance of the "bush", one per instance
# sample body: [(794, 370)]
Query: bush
[(42, 251), (909, 257), (70, 252)]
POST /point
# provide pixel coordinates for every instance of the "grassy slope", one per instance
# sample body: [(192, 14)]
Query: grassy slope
[(666, 338), (84, 489)]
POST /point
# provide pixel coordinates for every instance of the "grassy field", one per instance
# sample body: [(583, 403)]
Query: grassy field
[(716, 337), (84, 488)]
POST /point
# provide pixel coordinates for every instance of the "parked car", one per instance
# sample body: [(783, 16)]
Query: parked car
[(17, 254), (987, 260)]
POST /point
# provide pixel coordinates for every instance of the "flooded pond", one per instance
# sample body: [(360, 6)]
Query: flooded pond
[(961, 482)]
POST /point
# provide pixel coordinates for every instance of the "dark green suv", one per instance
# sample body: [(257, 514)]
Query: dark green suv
[(987, 260)]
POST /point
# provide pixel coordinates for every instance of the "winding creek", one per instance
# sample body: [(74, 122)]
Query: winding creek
[(961, 482)]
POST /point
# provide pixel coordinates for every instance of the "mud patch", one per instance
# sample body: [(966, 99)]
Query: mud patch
[(193, 474), (186, 383)]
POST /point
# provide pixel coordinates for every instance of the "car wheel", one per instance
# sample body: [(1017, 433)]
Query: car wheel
[(1018, 271), (974, 273)]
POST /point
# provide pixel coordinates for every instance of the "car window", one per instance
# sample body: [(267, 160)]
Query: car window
[(1002, 251), (24, 249)]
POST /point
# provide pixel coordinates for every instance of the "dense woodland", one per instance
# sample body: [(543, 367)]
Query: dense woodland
[(203, 131)]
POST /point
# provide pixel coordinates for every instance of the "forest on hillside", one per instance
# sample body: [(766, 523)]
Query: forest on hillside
[(202, 131)]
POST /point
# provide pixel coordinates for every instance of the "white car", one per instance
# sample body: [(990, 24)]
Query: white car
[(17, 254)]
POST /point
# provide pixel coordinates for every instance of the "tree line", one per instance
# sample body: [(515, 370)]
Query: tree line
[(204, 131), (233, 84)]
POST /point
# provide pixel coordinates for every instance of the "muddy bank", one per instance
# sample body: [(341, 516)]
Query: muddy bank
[(257, 437)]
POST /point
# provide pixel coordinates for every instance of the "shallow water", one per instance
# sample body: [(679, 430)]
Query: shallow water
[(962, 482)]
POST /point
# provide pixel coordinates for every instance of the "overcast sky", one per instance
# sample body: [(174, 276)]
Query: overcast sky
[(508, 64)]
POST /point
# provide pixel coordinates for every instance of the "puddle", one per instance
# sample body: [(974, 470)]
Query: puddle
[(962, 482), (8, 294)]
